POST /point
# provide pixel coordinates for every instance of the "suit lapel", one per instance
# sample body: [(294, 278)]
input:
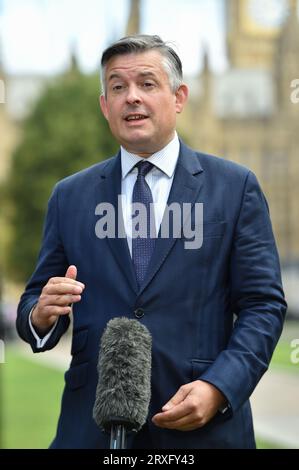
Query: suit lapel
[(111, 189), (187, 182), (186, 185)]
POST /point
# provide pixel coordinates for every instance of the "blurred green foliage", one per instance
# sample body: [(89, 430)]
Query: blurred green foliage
[(282, 357), (65, 133), (30, 402)]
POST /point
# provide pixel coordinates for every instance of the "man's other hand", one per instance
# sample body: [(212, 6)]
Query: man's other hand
[(191, 407)]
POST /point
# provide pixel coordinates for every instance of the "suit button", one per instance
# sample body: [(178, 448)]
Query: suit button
[(139, 312)]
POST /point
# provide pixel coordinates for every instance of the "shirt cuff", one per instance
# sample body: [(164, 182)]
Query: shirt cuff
[(224, 408), (40, 342)]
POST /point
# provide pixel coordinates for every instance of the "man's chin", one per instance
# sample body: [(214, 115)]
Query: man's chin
[(139, 144)]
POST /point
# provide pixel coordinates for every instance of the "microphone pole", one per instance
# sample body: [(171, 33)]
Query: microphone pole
[(118, 437), (118, 433)]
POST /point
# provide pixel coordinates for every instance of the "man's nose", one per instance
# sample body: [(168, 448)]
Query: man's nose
[(133, 95)]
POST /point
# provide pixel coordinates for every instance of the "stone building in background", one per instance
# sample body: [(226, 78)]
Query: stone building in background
[(247, 115)]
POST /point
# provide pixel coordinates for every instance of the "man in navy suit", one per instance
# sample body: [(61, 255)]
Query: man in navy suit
[(215, 309)]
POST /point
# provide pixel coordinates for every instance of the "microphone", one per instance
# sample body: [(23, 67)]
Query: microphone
[(124, 384)]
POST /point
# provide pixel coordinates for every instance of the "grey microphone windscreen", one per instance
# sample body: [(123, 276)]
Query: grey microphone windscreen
[(124, 368)]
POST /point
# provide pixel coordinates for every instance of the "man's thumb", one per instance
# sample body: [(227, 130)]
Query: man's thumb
[(71, 272)]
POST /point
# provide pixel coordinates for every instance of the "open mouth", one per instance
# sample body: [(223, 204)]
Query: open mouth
[(136, 117)]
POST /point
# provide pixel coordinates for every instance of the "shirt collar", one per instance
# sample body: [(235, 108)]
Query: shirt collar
[(165, 159)]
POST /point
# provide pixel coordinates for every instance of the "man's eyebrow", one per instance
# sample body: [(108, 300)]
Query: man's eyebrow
[(148, 73), (113, 75), (145, 73)]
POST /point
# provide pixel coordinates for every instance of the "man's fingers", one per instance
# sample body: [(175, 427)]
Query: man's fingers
[(62, 288), (178, 397), (55, 310), (177, 411), (65, 280), (63, 300), (56, 297), (181, 411), (197, 402), (184, 416), (186, 423), (71, 272)]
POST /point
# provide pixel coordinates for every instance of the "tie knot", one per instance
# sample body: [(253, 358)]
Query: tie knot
[(144, 167)]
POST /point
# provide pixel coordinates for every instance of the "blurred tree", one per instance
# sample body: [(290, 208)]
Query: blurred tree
[(65, 133)]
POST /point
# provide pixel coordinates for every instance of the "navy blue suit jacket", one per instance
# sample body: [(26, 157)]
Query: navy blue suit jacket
[(215, 312)]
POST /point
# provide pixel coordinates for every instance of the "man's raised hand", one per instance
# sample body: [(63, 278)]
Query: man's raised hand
[(56, 299)]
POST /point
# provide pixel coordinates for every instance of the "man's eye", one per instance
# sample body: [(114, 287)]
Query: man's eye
[(117, 87), (148, 84)]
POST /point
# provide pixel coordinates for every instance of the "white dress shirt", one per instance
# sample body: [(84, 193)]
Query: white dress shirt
[(159, 179)]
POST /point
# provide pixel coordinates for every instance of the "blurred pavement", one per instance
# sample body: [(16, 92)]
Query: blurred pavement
[(275, 407)]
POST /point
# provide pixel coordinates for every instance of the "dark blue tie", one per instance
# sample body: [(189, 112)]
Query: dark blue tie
[(142, 247)]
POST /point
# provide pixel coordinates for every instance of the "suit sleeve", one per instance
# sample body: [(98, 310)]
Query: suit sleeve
[(257, 299), (52, 261)]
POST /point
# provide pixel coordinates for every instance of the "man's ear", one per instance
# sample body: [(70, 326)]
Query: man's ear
[(181, 96), (103, 105)]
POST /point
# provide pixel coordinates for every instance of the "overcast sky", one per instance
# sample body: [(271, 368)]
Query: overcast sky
[(37, 35)]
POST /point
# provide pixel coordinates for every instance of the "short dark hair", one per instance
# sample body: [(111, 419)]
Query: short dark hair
[(142, 43)]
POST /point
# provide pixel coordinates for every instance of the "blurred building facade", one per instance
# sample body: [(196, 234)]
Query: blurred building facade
[(245, 114)]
